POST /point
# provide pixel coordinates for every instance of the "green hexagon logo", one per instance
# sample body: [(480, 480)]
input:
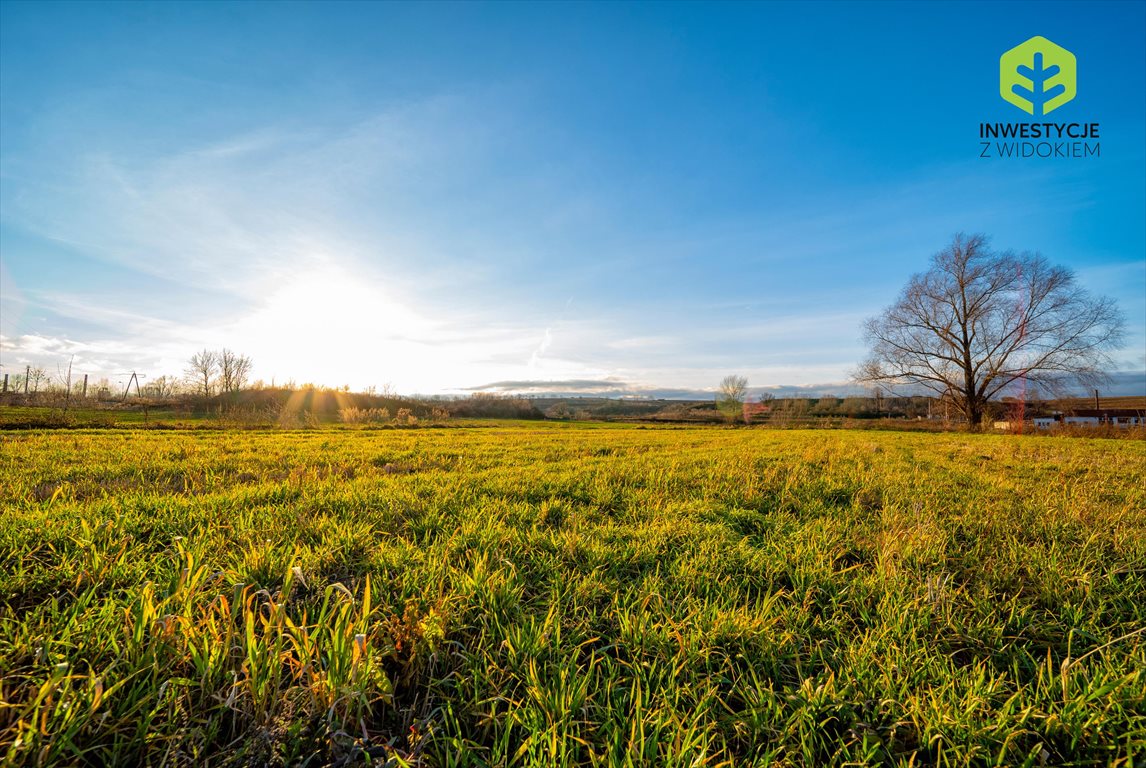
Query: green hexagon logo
[(1038, 76)]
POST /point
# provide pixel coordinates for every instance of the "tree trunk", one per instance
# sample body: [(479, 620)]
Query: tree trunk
[(973, 410)]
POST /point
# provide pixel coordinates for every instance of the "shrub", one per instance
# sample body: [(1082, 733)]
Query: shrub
[(365, 415)]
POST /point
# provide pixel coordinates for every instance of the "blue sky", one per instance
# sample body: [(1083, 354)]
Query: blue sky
[(620, 197)]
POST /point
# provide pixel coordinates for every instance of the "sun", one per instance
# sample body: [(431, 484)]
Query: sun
[(331, 326)]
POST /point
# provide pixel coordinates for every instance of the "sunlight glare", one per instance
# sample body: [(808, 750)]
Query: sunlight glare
[(328, 322)]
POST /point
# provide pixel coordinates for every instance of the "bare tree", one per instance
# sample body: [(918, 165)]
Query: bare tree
[(978, 321), (37, 376), (242, 371), (234, 369), (66, 382), (163, 387), (201, 370), (730, 397)]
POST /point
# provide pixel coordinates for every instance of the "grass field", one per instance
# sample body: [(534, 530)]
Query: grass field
[(557, 595)]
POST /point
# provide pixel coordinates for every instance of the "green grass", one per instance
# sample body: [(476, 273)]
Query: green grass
[(24, 417), (553, 595)]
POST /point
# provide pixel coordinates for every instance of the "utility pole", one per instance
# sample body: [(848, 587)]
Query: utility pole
[(134, 377), (27, 375), (5, 383), (85, 386)]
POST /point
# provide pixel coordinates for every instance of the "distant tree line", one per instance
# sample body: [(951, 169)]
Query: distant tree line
[(208, 373)]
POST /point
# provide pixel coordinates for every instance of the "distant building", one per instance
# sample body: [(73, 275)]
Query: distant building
[(1094, 417)]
